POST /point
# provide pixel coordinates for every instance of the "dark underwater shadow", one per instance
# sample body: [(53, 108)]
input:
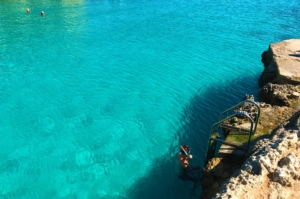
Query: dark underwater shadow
[(198, 116)]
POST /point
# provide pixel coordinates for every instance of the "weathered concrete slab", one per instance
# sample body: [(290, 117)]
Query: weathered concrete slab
[(286, 55), (282, 63)]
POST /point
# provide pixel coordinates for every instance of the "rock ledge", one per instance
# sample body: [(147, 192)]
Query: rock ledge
[(272, 170), (282, 63)]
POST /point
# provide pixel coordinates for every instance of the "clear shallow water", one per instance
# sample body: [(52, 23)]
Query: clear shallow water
[(96, 97)]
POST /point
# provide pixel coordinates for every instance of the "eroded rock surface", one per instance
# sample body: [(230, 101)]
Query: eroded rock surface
[(215, 174), (217, 171), (280, 95), (282, 63), (272, 169)]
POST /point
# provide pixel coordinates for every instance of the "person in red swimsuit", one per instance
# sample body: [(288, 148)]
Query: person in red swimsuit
[(184, 156), (186, 173)]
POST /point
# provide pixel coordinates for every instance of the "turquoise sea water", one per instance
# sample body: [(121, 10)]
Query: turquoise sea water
[(97, 96)]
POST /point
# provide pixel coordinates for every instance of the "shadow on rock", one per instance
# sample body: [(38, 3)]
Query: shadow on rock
[(294, 55)]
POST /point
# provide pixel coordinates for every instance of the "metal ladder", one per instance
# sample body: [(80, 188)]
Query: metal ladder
[(221, 130)]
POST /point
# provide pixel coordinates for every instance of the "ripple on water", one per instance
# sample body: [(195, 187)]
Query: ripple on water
[(95, 105)]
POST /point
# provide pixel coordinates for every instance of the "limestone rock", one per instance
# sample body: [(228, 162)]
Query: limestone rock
[(282, 63), (213, 170), (294, 95), (214, 167), (281, 95), (272, 169)]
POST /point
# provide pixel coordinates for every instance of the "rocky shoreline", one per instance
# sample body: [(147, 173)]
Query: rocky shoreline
[(271, 168)]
